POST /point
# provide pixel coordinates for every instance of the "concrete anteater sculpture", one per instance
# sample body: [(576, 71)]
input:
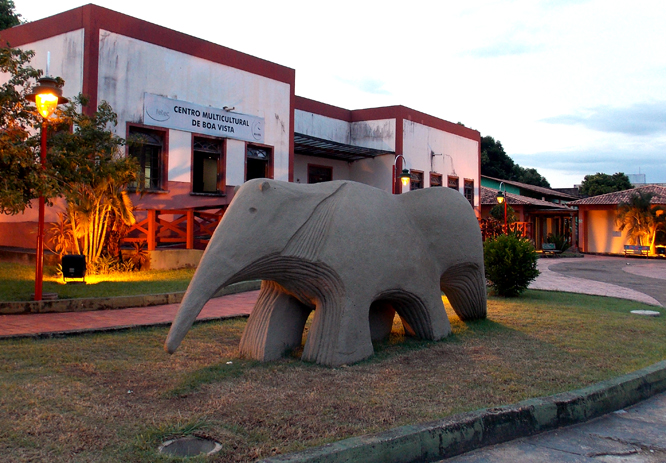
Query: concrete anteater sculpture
[(353, 253)]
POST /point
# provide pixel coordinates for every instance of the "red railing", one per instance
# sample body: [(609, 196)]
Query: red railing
[(191, 227), (492, 228)]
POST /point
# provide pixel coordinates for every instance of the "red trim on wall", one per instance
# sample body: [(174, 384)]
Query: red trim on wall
[(323, 109), (96, 17), (399, 134), (221, 163), (292, 126), (90, 59), (386, 112), (477, 209), (164, 183)]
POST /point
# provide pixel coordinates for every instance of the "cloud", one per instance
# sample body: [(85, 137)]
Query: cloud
[(500, 49), (637, 119), (367, 85), (630, 159)]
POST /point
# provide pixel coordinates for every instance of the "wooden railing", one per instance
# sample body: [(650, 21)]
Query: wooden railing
[(191, 227), (492, 228)]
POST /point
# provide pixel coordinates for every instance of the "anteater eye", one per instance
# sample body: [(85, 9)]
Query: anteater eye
[(253, 210)]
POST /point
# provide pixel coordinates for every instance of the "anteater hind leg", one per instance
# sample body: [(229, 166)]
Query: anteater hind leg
[(465, 287), (275, 324)]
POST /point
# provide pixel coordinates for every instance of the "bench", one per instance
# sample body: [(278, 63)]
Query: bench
[(631, 249), (549, 249)]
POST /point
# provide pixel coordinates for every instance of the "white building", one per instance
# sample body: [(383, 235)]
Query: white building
[(213, 118)]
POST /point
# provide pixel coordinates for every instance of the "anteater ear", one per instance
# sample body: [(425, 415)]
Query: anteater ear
[(264, 186)]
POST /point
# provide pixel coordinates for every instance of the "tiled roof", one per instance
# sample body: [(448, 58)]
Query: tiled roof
[(618, 197), (537, 189), (489, 198)]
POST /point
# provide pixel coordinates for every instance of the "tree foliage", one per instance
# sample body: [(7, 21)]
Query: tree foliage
[(600, 184), (89, 165), (8, 17), (642, 220), (510, 263), (496, 163), (22, 178), (84, 163)]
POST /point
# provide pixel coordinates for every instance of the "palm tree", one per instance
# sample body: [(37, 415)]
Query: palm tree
[(640, 219), (91, 210)]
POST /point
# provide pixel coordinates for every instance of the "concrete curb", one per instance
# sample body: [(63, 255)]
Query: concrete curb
[(112, 303), (469, 431)]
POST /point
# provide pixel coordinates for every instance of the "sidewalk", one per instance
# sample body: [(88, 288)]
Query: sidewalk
[(48, 324)]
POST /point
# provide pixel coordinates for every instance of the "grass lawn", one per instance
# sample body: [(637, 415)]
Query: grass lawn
[(17, 283), (116, 396)]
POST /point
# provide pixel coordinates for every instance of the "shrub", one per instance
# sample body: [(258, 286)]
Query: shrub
[(560, 242), (511, 264)]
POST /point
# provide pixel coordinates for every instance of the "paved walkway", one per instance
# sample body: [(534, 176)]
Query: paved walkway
[(42, 324), (628, 278), (625, 278)]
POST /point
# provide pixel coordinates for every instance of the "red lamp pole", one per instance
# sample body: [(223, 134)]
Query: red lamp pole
[(46, 96), (506, 227), (39, 258)]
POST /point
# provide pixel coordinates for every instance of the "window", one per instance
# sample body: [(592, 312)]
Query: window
[(469, 191), (207, 162), (452, 182), (258, 162), (148, 147), (318, 174), (435, 179), (416, 181)]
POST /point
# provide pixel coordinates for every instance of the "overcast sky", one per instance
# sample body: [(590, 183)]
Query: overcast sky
[(570, 87)]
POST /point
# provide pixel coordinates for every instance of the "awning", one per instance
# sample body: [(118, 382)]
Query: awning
[(318, 147)]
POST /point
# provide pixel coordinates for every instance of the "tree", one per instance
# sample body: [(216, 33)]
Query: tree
[(96, 197), (641, 219), (531, 177), (599, 184), (84, 165), (22, 178), (496, 163), (8, 17)]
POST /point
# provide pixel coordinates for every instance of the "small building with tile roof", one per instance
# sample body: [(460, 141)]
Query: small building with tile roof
[(598, 231), (542, 211)]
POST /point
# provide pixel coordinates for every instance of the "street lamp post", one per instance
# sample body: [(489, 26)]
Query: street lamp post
[(46, 96), (502, 199), (405, 176)]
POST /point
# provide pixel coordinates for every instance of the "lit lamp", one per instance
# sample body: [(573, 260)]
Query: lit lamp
[(46, 96), (501, 199), (405, 176)]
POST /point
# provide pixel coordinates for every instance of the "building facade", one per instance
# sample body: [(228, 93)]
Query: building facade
[(210, 118)]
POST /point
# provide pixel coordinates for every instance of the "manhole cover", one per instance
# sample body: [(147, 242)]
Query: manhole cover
[(190, 446), (648, 313)]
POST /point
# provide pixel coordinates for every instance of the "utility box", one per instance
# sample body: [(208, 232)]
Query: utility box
[(74, 266)]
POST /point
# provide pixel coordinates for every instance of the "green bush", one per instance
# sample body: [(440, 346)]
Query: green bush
[(511, 264), (560, 242)]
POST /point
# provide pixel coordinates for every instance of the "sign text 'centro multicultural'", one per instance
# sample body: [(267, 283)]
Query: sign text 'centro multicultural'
[(190, 117)]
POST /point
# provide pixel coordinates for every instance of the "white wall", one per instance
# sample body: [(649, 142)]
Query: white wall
[(341, 169), (458, 154), (377, 172), (324, 127), (130, 67), (180, 156), (235, 162), (66, 59), (379, 134)]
